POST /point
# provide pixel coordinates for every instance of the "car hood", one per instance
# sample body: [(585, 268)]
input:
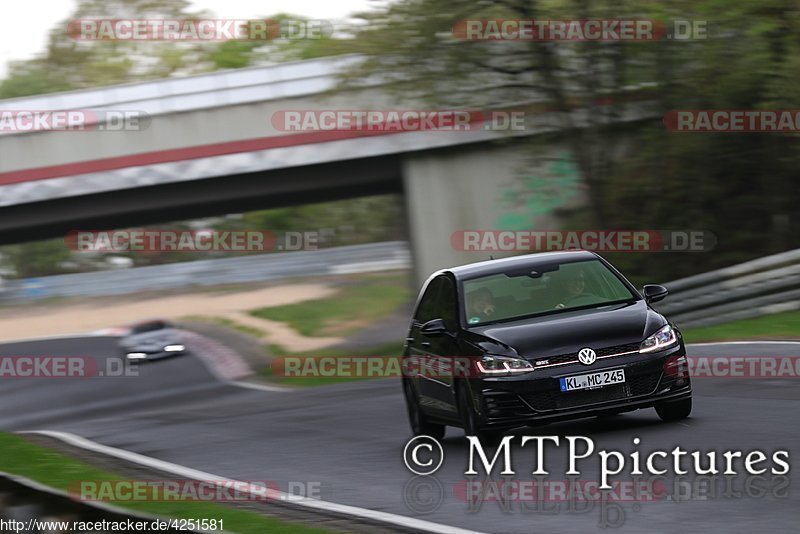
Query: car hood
[(570, 331)]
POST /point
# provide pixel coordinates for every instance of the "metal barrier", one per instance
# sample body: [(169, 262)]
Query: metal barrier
[(759, 287), (243, 269), (27, 506)]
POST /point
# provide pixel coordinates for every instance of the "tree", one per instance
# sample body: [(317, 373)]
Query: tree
[(71, 63), (41, 258), (637, 174), (413, 46)]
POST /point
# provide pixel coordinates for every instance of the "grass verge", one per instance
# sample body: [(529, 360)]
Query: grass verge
[(354, 306), (20, 457), (228, 323), (387, 350), (778, 326)]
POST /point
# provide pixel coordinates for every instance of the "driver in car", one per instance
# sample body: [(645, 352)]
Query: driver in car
[(481, 305), (573, 288)]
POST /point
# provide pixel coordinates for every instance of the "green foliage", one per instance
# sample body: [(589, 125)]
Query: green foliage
[(741, 187), (350, 222), (40, 258), (336, 223), (783, 325), (69, 64)]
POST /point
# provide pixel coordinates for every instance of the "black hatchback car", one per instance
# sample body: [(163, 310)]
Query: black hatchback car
[(539, 338)]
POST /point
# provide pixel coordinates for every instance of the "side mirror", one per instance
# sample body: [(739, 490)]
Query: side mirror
[(654, 293), (434, 327)]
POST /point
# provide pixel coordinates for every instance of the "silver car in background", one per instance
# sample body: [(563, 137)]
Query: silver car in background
[(152, 340)]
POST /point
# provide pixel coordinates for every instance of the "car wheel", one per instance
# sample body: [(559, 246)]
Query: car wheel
[(469, 421), (674, 411), (420, 425)]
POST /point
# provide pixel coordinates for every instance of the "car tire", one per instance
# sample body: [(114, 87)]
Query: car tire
[(674, 411), (420, 425), (469, 421)]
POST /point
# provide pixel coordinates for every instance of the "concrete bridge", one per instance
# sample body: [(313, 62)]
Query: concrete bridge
[(210, 144)]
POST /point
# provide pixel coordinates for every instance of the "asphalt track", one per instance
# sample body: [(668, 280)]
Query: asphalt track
[(350, 438)]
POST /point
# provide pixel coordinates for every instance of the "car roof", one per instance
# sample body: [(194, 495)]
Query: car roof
[(145, 322), (489, 267)]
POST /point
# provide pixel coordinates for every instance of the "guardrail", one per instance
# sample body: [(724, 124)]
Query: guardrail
[(34, 507), (759, 287), (244, 269)]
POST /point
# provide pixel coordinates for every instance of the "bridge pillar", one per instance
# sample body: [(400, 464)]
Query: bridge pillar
[(494, 188)]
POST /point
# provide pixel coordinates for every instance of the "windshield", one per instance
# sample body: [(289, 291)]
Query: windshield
[(566, 286)]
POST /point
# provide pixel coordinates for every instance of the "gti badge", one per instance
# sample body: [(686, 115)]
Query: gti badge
[(587, 356)]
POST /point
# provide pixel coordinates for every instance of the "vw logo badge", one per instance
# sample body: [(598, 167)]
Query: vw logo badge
[(587, 356)]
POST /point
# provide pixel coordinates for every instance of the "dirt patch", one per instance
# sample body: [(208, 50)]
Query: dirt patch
[(282, 334), (88, 316)]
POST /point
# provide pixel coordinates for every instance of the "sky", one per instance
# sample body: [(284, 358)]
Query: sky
[(28, 37)]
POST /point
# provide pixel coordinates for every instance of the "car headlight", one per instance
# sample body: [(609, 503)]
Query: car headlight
[(136, 355), (665, 337), (503, 365), (174, 348)]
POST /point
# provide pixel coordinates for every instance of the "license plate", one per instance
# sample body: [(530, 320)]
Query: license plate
[(592, 380)]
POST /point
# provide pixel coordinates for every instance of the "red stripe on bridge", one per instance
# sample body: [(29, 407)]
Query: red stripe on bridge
[(181, 154)]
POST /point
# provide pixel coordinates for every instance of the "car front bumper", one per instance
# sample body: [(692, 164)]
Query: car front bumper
[(134, 355), (536, 397)]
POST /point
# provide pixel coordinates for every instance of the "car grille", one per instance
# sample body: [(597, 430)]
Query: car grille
[(572, 357), (640, 380), (556, 400), (499, 404), (643, 384)]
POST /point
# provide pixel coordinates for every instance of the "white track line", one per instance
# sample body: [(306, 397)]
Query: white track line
[(260, 387), (194, 474)]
